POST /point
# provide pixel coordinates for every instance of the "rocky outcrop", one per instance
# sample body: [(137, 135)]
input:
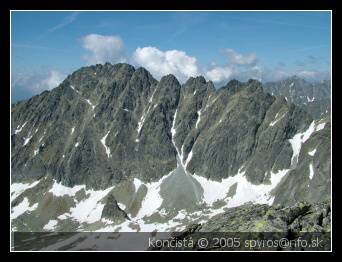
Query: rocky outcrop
[(299, 221), (300, 217), (112, 211)]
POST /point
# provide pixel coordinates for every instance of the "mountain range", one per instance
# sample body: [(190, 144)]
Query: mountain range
[(113, 149), (314, 97)]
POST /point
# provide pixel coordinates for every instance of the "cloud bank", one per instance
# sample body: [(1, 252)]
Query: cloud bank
[(27, 85), (102, 48), (238, 59), (110, 48), (161, 63)]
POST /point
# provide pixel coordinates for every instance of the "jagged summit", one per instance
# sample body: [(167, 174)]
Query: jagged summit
[(196, 80)]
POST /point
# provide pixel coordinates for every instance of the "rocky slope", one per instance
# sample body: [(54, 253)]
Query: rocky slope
[(315, 98), (302, 221), (111, 148)]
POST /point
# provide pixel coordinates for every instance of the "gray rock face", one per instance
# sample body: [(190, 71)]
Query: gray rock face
[(310, 180), (234, 130), (107, 123), (87, 129), (315, 98), (112, 211)]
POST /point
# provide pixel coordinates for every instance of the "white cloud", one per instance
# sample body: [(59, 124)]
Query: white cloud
[(103, 49), (161, 63), (36, 83), (53, 79), (238, 59), (238, 67), (219, 74), (312, 74)]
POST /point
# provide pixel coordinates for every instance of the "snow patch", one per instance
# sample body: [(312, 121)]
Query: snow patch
[(122, 206), (63, 216), (145, 112), (59, 190), (276, 119), (19, 128), (153, 199), (22, 208), (103, 141), (141, 123), (310, 100), (199, 118), (40, 139), (90, 209), (27, 140), (72, 130), (245, 191), (313, 152), (320, 126), (88, 101), (173, 129), (51, 225), (151, 98), (188, 159), (18, 188), (298, 140), (137, 183), (311, 171)]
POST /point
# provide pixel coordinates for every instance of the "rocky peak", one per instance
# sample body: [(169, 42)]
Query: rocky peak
[(198, 84), (232, 86), (169, 80), (142, 73), (254, 84), (195, 80)]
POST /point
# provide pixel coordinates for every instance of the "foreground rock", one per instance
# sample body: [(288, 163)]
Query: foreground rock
[(300, 221)]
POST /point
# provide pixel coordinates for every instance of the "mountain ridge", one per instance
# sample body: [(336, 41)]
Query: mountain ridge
[(107, 127)]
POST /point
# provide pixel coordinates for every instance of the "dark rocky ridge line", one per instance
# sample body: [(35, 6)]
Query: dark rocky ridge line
[(106, 123)]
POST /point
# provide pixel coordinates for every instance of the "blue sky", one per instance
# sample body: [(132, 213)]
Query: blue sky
[(46, 46)]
